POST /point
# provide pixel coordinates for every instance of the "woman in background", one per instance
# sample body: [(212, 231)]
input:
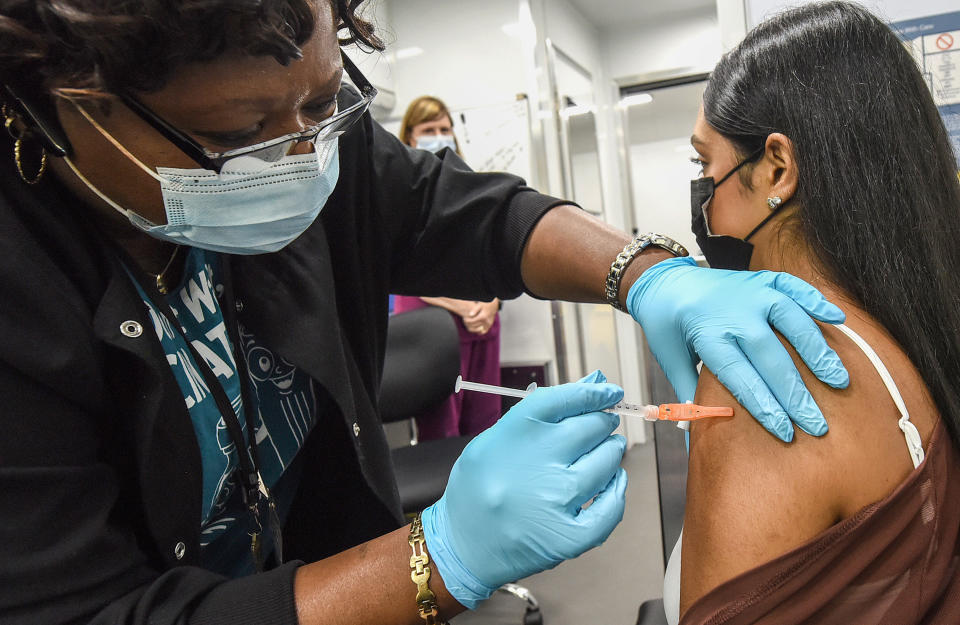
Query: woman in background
[(830, 158), (428, 125)]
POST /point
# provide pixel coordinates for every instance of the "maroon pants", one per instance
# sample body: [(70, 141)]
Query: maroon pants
[(465, 413)]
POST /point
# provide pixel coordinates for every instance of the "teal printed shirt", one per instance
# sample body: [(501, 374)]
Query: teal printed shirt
[(284, 399)]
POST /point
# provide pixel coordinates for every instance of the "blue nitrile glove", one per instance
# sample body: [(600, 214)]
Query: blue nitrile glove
[(512, 505), (691, 313)]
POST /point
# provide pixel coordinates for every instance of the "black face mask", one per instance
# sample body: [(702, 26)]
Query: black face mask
[(721, 251)]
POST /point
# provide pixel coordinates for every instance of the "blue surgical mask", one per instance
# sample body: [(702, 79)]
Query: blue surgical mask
[(435, 143), (248, 210)]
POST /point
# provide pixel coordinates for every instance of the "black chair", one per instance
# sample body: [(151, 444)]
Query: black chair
[(652, 613), (422, 362), (420, 369)]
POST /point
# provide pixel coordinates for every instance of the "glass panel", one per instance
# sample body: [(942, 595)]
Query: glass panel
[(590, 329), (584, 162), (658, 138)]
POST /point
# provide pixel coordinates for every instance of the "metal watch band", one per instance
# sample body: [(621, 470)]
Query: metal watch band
[(626, 256), (420, 574)]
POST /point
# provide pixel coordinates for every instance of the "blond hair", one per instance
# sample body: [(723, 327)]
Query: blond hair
[(424, 109)]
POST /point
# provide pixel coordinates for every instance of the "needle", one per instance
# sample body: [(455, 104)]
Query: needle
[(650, 412)]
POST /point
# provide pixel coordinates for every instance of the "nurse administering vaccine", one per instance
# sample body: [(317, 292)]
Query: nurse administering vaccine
[(200, 225)]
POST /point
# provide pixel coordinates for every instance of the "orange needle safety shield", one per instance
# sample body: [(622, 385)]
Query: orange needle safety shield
[(691, 412)]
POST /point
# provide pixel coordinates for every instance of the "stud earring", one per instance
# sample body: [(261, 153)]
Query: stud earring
[(774, 202)]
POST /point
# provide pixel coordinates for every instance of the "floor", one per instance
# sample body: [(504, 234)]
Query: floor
[(607, 585)]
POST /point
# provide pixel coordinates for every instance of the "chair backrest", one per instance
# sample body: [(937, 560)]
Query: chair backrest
[(422, 362)]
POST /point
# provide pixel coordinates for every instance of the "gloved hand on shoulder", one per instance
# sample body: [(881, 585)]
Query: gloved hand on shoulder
[(690, 313), (512, 506)]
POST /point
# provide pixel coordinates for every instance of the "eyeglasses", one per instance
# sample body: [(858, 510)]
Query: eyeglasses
[(267, 152)]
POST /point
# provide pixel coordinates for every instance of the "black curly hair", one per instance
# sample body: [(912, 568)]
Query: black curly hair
[(109, 45)]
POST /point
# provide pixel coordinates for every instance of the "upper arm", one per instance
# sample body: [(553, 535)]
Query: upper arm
[(452, 231), (750, 497)]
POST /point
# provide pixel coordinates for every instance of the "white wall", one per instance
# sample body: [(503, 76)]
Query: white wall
[(584, 162), (573, 33), (661, 171), (661, 183), (377, 67), (731, 16), (468, 59), (686, 43), (609, 338), (474, 54)]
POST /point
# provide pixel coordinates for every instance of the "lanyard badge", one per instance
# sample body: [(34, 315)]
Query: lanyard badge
[(256, 497)]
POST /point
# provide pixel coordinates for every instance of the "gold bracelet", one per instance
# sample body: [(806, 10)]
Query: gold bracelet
[(420, 574)]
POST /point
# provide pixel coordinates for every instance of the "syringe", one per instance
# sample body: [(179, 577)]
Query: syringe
[(663, 412)]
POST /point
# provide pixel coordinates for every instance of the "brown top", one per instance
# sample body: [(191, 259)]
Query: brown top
[(895, 562)]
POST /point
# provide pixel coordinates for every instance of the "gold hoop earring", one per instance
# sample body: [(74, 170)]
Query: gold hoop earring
[(43, 163), (9, 120)]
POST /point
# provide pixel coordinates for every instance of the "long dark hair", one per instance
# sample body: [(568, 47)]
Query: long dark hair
[(878, 189)]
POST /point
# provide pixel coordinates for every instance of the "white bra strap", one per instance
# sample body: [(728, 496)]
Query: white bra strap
[(910, 433)]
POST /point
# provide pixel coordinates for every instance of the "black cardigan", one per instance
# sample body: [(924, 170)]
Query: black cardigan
[(100, 477)]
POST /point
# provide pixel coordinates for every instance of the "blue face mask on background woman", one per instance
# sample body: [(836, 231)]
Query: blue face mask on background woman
[(247, 211), (435, 143)]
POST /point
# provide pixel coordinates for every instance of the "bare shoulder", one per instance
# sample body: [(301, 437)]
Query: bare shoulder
[(751, 497)]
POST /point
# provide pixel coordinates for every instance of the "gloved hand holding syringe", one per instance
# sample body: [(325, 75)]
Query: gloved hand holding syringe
[(663, 412)]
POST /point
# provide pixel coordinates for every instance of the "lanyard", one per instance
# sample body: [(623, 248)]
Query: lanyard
[(253, 490)]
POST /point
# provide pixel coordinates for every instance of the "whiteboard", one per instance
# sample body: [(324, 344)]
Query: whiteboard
[(497, 137), (492, 138)]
